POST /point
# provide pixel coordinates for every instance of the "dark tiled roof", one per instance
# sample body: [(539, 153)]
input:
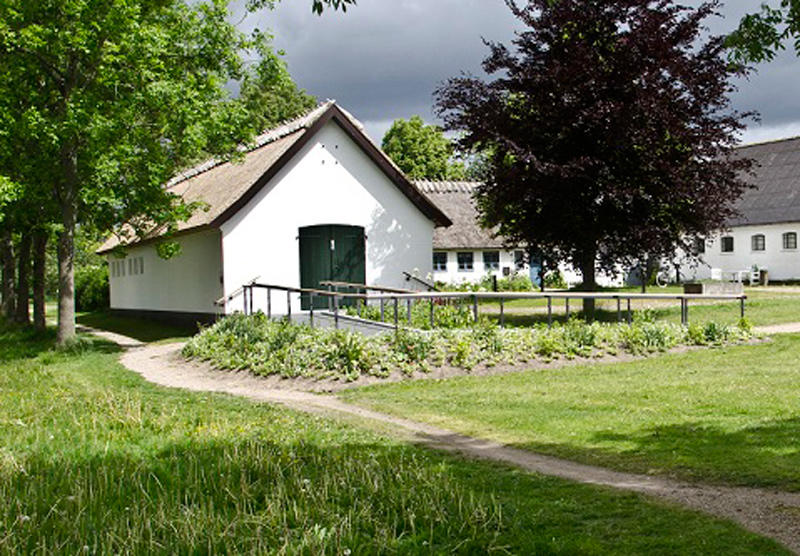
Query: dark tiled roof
[(454, 198), (776, 197)]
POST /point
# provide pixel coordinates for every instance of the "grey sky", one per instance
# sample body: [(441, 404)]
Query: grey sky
[(383, 58)]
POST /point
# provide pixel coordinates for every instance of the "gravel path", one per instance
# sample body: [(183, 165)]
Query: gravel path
[(771, 513)]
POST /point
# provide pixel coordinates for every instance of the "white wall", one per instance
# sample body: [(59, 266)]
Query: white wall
[(189, 282), (783, 264), (454, 276), (330, 181)]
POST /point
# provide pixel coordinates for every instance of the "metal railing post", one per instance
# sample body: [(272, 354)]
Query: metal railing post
[(395, 313), (475, 307), (549, 312), (244, 299), (336, 312), (432, 317), (408, 311), (269, 303), (502, 313), (619, 310), (330, 300), (288, 306), (630, 317), (383, 310), (741, 307), (311, 309)]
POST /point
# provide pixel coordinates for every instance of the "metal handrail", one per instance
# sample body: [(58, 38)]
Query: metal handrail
[(364, 287), (474, 297)]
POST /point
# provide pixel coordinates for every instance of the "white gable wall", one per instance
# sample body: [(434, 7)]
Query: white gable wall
[(330, 181), (189, 282), (782, 264)]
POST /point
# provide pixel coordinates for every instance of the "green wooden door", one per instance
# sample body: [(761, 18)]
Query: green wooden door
[(331, 253)]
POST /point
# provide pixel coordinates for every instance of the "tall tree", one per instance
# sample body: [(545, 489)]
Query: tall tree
[(610, 131), (422, 151), (761, 35), (118, 95)]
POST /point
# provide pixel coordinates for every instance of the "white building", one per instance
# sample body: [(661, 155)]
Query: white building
[(467, 252), (313, 200), (765, 234)]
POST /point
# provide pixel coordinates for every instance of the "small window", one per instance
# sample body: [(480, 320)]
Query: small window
[(699, 246), (111, 269), (491, 260), (439, 261), (122, 267), (726, 244), (519, 259), (790, 240), (758, 242), (465, 262), (141, 265)]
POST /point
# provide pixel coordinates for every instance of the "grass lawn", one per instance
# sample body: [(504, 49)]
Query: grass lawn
[(763, 307), (727, 415), (93, 459)]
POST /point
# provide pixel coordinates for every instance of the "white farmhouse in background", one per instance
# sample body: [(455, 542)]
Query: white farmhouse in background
[(313, 200), (765, 234), (467, 252)]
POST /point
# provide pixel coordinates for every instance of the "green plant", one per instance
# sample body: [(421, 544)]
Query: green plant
[(91, 288), (555, 280)]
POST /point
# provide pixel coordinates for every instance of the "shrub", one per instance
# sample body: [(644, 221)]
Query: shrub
[(555, 280), (91, 288)]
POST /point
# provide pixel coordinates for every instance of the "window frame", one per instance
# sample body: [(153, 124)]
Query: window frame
[(466, 267), (722, 242), (785, 237), (491, 265), (437, 267), (519, 259), (758, 243)]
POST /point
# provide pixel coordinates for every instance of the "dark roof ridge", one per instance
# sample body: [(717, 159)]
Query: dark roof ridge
[(767, 142)]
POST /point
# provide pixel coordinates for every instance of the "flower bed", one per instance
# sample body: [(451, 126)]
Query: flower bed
[(269, 347)]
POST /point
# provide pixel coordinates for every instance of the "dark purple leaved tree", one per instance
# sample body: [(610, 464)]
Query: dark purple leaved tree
[(608, 130)]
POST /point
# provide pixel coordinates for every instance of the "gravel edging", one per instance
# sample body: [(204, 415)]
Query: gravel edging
[(767, 512)]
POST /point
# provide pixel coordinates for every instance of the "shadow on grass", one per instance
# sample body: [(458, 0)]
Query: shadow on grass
[(144, 330), (254, 494), (767, 455)]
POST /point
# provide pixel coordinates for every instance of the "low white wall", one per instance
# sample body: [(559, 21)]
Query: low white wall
[(189, 282), (330, 181), (454, 276), (782, 264)]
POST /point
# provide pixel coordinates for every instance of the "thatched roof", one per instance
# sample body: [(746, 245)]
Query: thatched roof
[(225, 187), (776, 197), (454, 198)]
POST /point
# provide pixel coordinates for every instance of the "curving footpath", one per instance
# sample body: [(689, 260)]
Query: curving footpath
[(767, 512)]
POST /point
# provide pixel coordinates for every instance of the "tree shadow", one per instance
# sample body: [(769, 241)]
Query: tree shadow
[(767, 454), (142, 329)]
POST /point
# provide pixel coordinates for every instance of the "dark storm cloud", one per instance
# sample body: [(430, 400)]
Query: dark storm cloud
[(383, 58)]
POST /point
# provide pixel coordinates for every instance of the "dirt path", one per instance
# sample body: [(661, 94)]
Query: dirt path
[(771, 513)]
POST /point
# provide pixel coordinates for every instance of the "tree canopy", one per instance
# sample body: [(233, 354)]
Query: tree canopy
[(422, 151), (107, 99), (761, 35), (609, 130)]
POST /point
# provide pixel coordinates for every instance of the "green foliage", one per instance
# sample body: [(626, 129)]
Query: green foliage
[(515, 282), (445, 314), (91, 288), (761, 35), (270, 347), (555, 280), (422, 151)]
